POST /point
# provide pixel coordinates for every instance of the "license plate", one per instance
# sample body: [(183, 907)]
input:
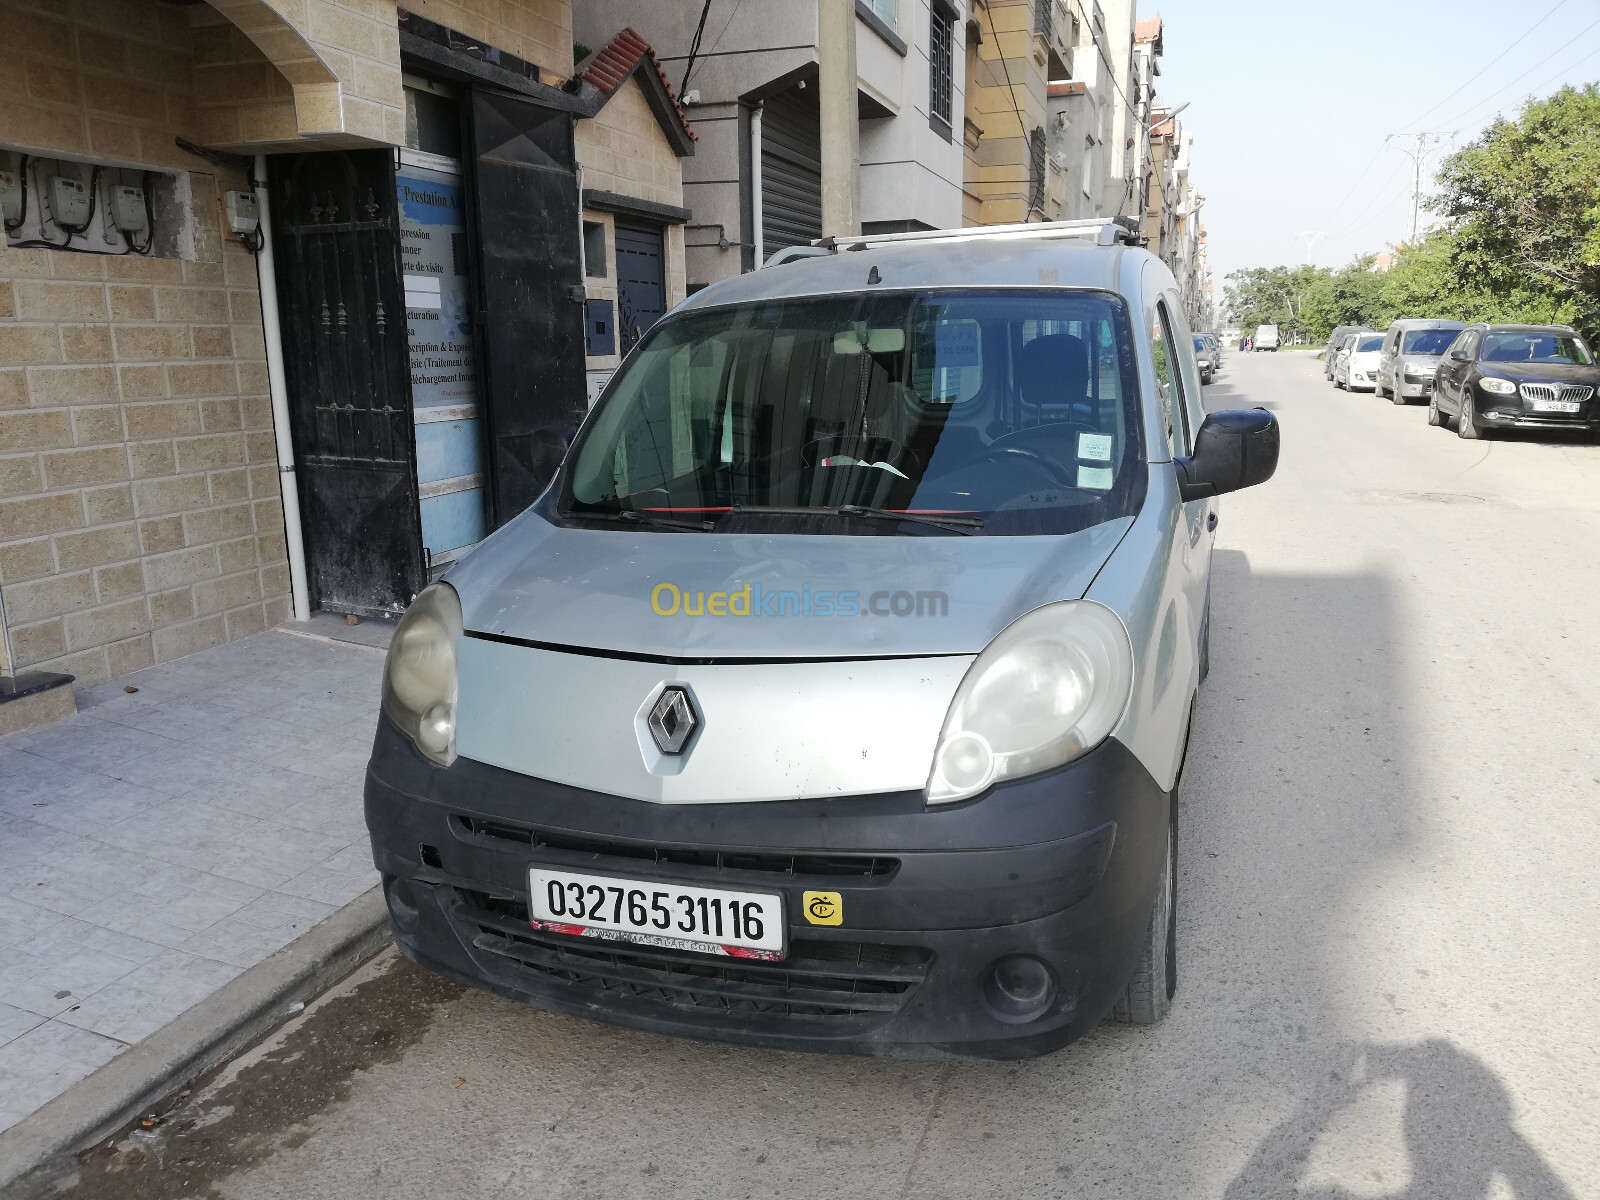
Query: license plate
[(1556, 406), (707, 920)]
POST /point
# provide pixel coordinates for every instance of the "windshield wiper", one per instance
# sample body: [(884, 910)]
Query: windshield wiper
[(634, 516), (962, 525)]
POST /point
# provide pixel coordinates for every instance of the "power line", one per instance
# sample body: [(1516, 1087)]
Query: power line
[(1482, 101), (694, 46), (1371, 162), (1378, 198), (1473, 78)]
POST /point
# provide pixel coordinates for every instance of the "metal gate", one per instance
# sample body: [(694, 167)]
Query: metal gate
[(641, 282), (344, 341), (791, 173), (531, 286)]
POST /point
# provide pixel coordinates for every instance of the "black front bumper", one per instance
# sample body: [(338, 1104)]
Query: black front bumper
[(1063, 867)]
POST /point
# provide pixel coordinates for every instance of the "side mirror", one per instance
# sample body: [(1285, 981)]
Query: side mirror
[(1233, 450)]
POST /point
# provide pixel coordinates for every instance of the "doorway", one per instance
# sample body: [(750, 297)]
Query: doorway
[(641, 281)]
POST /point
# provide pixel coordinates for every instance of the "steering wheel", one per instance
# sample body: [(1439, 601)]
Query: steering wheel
[(1056, 470)]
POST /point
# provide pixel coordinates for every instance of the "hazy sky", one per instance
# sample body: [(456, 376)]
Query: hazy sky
[(1290, 102)]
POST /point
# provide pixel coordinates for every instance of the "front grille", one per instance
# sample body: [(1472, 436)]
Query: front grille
[(858, 982), (1557, 391), (600, 851)]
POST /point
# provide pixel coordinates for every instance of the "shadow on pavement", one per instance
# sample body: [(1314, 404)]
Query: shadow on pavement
[(1457, 1127)]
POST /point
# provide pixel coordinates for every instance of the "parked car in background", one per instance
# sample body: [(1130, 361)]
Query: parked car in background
[(1266, 338), (846, 710), (1334, 340), (1204, 358), (1216, 351), (1410, 356), (1517, 377), (1357, 366)]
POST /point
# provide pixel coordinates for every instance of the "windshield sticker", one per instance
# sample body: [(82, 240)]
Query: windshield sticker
[(1097, 478), (1095, 447), (956, 343), (752, 600)]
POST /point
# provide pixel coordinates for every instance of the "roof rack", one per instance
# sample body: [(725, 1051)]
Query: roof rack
[(1099, 231)]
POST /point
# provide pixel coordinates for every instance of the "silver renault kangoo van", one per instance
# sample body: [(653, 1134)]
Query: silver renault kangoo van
[(836, 693)]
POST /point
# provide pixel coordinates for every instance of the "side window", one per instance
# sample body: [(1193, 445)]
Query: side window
[(1165, 349), (1469, 343)]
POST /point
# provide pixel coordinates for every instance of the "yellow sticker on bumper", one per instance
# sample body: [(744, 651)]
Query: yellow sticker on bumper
[(823, 908)]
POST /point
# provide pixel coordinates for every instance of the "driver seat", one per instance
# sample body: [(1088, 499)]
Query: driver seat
[(1053, 381)]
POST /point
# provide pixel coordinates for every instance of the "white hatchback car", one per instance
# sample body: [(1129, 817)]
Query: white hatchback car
[(835, 696), (1355, 363)]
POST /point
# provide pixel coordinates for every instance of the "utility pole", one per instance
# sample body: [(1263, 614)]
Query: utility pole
[(838, 118), (1312, 237), (1421, 143)]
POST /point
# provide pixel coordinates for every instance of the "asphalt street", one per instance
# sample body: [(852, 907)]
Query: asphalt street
[(1388, 908)]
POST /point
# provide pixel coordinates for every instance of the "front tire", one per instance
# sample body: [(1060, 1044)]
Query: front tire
[(1435, 417), (1396, 397), (1467, 427), (1148, 996)]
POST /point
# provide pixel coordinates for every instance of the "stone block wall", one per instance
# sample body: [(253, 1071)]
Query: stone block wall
[(140, 516), (537, 31)]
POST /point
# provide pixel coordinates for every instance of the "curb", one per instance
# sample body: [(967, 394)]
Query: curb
[(235, 1015)]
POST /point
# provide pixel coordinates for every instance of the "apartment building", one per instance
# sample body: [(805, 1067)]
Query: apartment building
[(749, 76)]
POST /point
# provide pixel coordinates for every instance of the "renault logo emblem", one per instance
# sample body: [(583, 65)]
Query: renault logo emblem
[(673, 720)]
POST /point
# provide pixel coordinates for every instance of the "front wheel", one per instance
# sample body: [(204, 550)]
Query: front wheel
[(1466, 424), (1435, 417), (1148, 996), (1395, 395)]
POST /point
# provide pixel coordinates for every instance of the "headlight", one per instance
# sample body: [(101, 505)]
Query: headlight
[(419, 676), (1500, 387), (1421, 368), (1047, 690)]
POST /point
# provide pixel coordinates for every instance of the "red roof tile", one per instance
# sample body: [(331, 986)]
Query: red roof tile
[(1148, 29), (1074, 87), (612, 65)]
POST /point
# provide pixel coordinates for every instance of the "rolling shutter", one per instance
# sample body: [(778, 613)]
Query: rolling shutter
[(791, 174)]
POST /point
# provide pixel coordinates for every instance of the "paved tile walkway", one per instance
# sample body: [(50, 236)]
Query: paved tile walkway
[(160, 842)]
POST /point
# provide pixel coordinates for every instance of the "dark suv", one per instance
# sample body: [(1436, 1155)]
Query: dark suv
[(1517, 377)]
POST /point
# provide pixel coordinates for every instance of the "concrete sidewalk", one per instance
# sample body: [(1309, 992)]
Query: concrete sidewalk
[(164, 840)]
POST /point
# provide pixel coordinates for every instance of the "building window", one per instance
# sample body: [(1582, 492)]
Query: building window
[(1044, 21), (1036, 161), (594, 249), (884, 9), (941, 68)]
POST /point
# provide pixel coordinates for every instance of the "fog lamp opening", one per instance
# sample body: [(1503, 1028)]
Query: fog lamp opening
[(1018, 989)]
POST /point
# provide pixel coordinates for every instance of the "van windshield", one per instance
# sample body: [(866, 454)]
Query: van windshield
[(1430, 341), (996, 412), (1370, 343)]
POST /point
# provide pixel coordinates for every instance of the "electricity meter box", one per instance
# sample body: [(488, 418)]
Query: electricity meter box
[(11, 196), (70, 202), (244, 213), (125, 209)]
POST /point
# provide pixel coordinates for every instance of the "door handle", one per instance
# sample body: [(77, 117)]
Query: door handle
[(1211, 522)]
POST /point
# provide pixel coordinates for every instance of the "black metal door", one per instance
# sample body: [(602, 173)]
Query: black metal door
[(791, 172), (335, 228), (641, 282), (526, 219)]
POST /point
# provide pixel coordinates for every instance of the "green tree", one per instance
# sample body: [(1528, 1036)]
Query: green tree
[(1525, 203), (1271, 296)]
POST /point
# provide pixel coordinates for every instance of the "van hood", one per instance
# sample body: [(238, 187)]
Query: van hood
[(787, 597)]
